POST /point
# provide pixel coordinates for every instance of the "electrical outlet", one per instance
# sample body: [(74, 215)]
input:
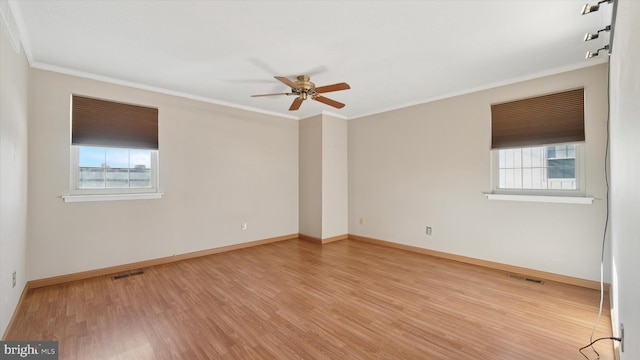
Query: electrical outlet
[(621, 337), (361, 221), (13, 279), (428, 230), (243, 226)]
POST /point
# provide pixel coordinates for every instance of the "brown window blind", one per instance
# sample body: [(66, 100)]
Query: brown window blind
[(105, 123), (549, 119)]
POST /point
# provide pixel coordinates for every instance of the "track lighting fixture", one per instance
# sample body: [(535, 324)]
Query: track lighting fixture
[(596, 53), (589, 36), (591, 8)]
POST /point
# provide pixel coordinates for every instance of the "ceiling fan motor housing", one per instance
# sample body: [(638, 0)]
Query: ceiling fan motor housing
[(304, 83)]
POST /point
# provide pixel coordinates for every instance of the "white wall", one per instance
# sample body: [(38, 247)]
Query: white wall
[(323, 177), (310, 177), (218, 167), (14, 71), (334, 177), (429, 165), (625, 175)]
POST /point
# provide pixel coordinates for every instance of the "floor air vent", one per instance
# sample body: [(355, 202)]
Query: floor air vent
[(524, 278), (126, 275)]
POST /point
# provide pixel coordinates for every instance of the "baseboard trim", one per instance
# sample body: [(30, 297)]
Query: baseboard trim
[(590, 284), (25, 290), (309, 238), (335, 238), (317, 240), (34, 284)]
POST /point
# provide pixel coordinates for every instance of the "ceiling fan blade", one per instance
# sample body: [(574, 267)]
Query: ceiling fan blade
[(295, 105), (333, 87), (329, 102), (287, 82), (270, 94)]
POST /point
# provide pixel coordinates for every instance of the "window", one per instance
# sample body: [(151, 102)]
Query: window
[(537, 144), (114, 148)]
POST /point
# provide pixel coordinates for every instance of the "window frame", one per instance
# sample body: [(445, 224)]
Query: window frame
[(580, 190)]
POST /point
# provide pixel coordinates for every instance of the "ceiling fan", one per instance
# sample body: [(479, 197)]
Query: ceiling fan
[(303, 88)]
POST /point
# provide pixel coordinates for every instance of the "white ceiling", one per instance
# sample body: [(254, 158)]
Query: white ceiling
[(392, 53)]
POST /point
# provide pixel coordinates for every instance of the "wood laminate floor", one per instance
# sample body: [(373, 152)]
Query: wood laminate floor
[(298, 300)]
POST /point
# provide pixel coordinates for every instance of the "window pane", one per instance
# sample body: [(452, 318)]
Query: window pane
[(117, 158), (92, 164), (526, 157), (117, 177), (537, 179), (517, 158), (527, 182), (508, 159), (502, 159), (561, 152), (551, 152), (517, 178), (513, 178), (140, 178), (562, 169), (91, 156), (103, 168), (543, 167), (537, 157), (91, 178), (555, 185), (117, 168), (140, 168), (140, 159)]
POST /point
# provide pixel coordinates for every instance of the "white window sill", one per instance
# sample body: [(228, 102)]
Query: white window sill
[(542, 198), (111, 197)]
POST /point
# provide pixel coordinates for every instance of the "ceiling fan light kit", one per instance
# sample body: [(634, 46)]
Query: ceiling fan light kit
[(303, 89)]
